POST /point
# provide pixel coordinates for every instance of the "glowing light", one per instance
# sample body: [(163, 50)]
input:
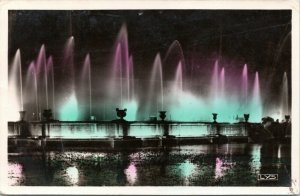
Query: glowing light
[(132, 108), (188, 107), (131, 174), (256, 106), (15, 174), (279, 152), (256, 158), (218, 170), (15, 88), (221, 167), (69, 111), (73, 175), (187, 168)]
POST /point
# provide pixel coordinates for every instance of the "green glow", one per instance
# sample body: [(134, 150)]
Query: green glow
[(187, 168), (69, 111), (187, 107), (131, 107)]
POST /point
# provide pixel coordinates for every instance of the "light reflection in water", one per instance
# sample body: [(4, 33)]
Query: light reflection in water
[(218, 170), (279, 152), (187, 169), (15, 173), (222, 166), (256, 158), (131, 174), (73, 175)]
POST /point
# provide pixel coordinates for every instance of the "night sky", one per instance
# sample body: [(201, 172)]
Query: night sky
[(262, 39)]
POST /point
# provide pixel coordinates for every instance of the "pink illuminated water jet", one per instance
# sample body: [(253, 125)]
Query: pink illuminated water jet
[(50, 71), (245, 83), (214, 89), (222, 81)]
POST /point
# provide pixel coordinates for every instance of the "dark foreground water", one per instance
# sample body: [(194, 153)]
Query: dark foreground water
[(198, 165)]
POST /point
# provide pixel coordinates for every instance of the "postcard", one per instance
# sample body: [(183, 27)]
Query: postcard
[(149, 97)]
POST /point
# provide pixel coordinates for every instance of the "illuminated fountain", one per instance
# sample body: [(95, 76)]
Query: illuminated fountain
[(15, 93), (50, 72), (256, 102), (245, 86), (155, 97), (32, 88), (86, 78), (68, 106), (168, 88), (121, 88)]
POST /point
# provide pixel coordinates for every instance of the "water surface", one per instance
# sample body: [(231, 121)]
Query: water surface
[(197, 165)]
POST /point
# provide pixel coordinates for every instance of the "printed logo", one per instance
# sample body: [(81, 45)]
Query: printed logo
[(267, 177)]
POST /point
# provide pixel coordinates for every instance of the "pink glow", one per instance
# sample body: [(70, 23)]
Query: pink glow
[(256, 89), (15, 174), (131, 174), (245, 82), (215, 81), (51, 72), (218, 170), (222, 77)]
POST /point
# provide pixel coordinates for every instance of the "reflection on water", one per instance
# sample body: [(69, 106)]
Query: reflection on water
[(131, 174), (73, 175), (187, 170), (198, 165), (15, 176), (255, 158)]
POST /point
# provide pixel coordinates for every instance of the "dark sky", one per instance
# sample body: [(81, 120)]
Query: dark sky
[(256, 37)]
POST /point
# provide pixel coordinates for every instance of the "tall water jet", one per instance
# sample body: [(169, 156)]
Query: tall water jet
[(214, 89), (284, 97), (131, 75), (157, 75), (256, 103), (69, 106), (31, 83), (245, 86), (222, 83), (174, 55), (15, 87), (41, 70), (50, 71), (87, 76), (46, 85), (120, 86), (178, 83)]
